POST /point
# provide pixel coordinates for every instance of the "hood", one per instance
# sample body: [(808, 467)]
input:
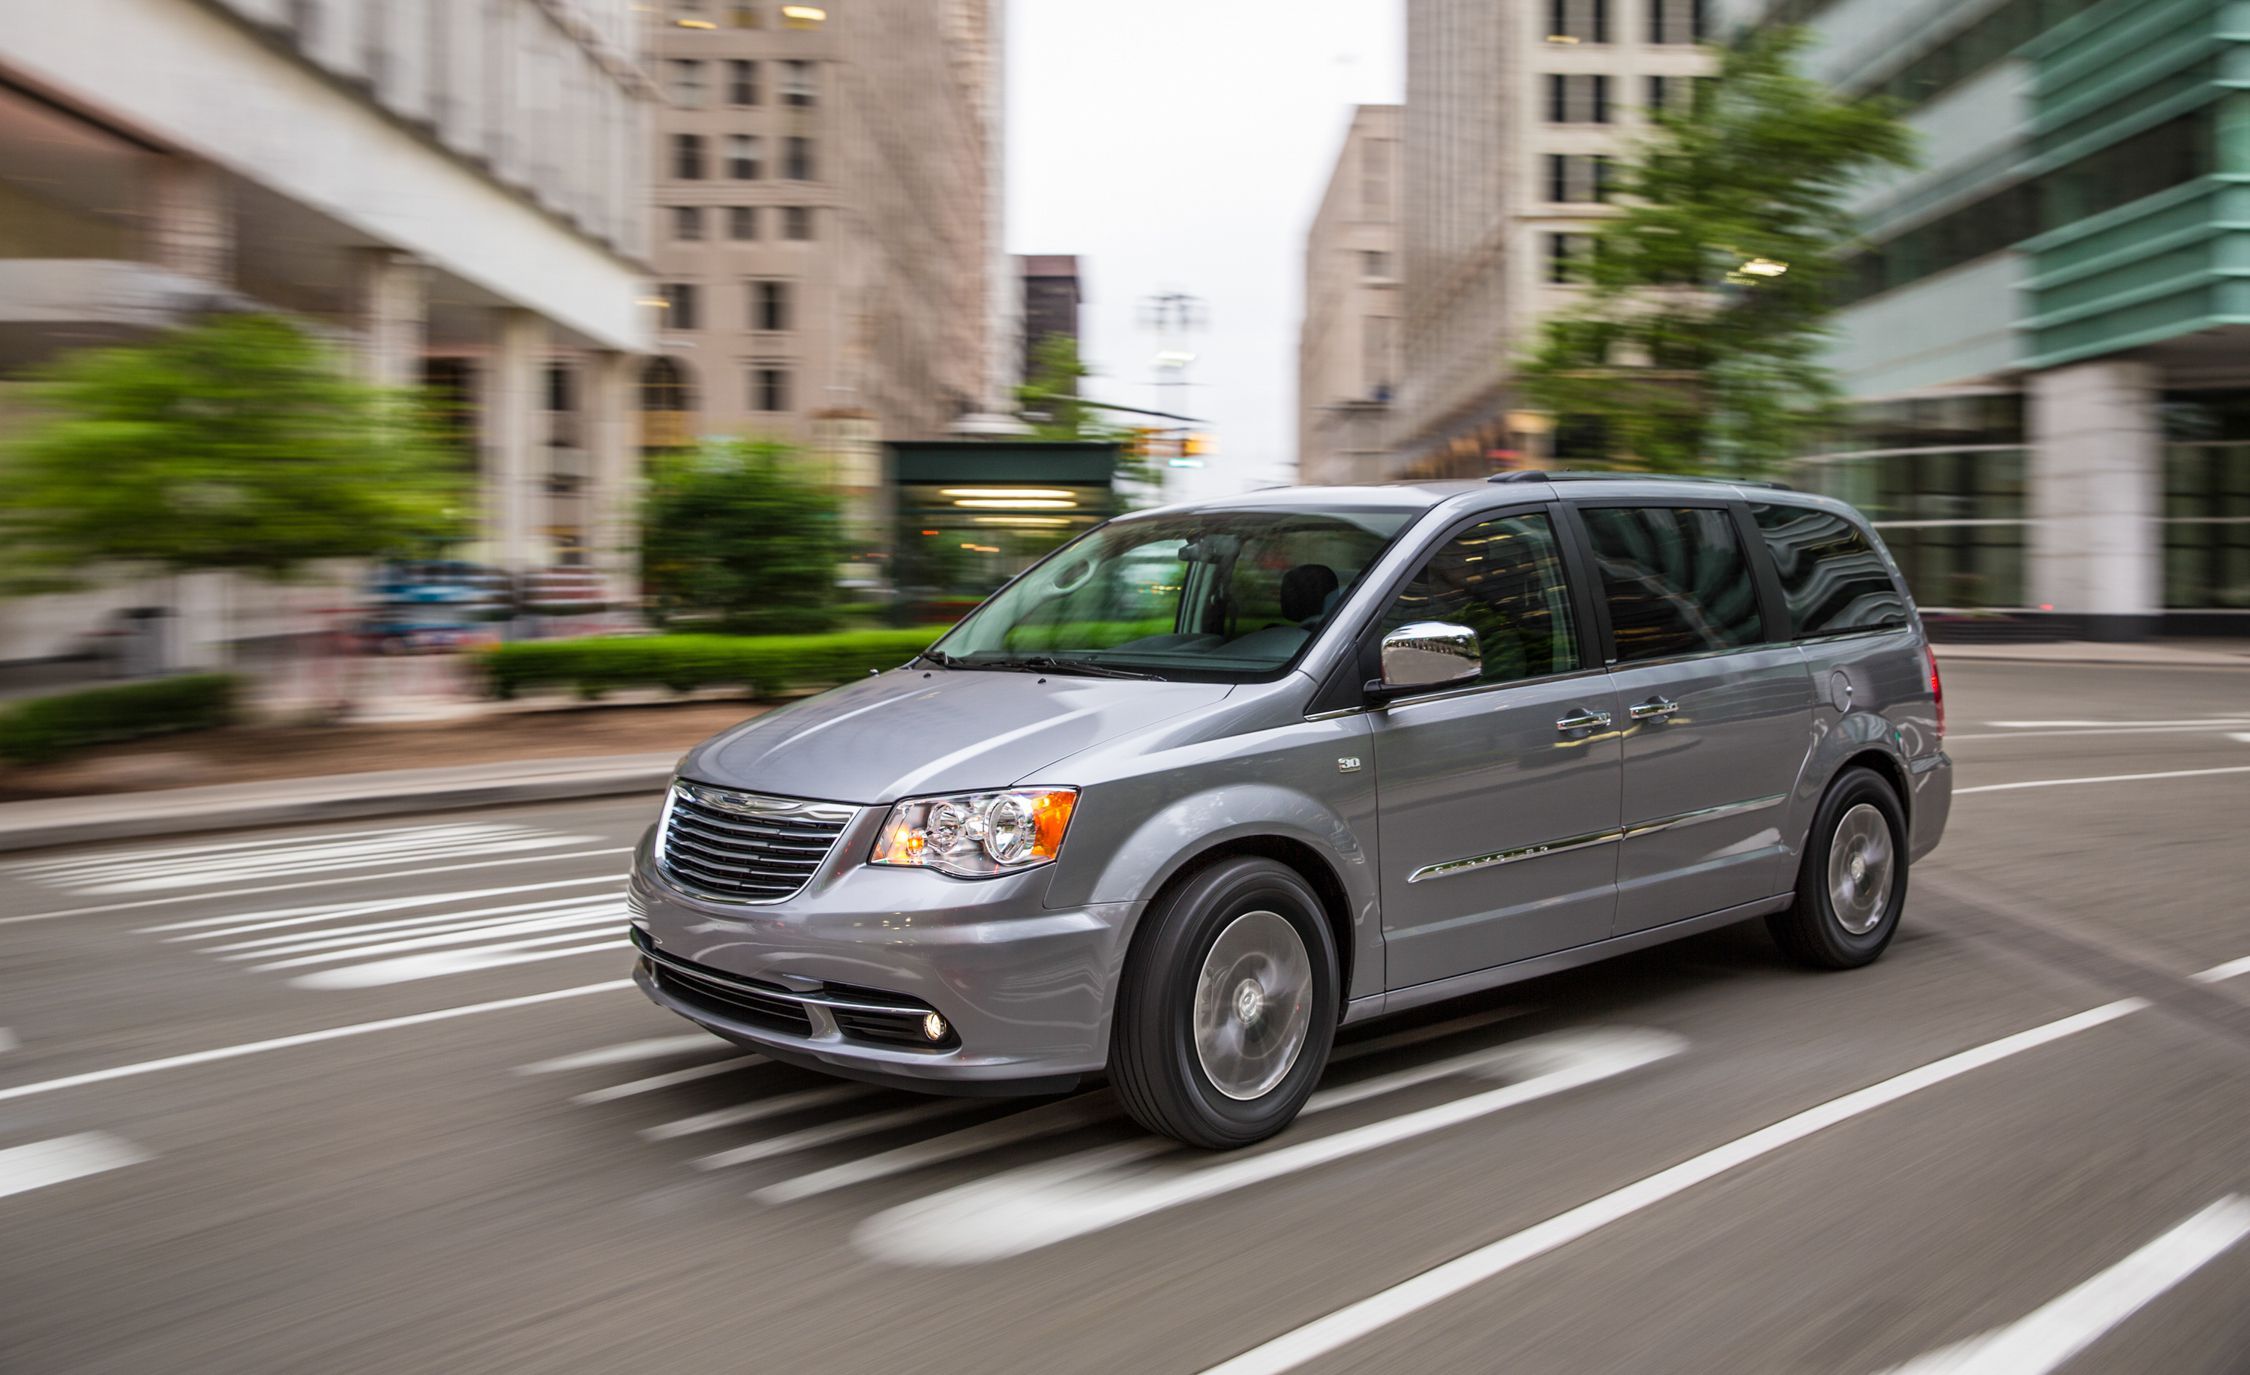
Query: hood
[(909, 732)]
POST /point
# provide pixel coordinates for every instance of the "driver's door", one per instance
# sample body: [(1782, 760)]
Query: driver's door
[(1498, 798)]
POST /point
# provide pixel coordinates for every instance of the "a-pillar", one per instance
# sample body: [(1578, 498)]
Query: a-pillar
[(613, 451), (393, 317), (2096, 483), (508, 439)]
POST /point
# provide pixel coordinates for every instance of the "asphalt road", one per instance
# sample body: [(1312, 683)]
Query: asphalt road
[(2028, 1127)]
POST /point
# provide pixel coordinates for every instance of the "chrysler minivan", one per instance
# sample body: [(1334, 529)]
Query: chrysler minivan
[(1210, 782)]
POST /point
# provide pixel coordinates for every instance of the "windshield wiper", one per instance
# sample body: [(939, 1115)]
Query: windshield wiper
[(1048, 663), (938, 657)]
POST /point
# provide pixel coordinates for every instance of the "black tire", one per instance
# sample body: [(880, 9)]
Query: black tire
[(1154, 1064), (1812, 931)]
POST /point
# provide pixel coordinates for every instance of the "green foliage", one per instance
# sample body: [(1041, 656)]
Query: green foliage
[(39, 730), (761, 666), (1052, 391), (233, 444), (1687, 363), (738, 537)]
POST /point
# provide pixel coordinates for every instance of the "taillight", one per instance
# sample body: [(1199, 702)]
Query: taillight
[(1937, 689)]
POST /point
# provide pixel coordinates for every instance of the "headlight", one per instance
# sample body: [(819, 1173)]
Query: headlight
[(976, 835)]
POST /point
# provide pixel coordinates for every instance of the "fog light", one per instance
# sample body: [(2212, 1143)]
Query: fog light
[(933, 1026)]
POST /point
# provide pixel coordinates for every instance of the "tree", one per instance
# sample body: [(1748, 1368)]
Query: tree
[(1050, 401), (235, 444), (736, 536), (1696, 343)]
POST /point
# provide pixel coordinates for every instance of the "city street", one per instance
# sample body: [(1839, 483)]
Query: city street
[(376, 1096)]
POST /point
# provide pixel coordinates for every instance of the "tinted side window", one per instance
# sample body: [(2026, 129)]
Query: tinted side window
[(1676, 580), (1504, 580), (1831, 575)]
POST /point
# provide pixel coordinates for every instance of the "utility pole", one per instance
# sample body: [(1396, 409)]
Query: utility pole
[(1172, 316)]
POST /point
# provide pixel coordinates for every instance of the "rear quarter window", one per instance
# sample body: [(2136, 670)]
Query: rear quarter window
[(1832, 576)]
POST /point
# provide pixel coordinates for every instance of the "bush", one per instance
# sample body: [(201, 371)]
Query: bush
[(740, 537), (42, 729), (761, 665)]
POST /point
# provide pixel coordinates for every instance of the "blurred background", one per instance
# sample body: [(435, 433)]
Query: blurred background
[(450, 410)]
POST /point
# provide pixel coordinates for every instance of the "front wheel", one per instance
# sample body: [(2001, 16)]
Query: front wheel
[(1227, 1006), (1851, 885)]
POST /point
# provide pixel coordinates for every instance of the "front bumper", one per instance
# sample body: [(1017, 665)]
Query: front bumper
[(1026, 991)]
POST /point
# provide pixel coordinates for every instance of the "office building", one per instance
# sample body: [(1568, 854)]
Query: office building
[(1052, 293), (1347, 344), (454, 192)]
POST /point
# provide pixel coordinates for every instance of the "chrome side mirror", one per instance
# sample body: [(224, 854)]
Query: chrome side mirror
[(1430, 654)]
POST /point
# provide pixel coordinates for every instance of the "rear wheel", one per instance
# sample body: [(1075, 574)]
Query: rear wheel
[(1851, 884), (1227, 1006)]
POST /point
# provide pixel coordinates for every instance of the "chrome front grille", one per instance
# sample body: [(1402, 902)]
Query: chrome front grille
[(746, 847)]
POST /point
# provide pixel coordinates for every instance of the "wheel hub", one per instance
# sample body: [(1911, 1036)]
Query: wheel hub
[(1249, 1002), (1253, 1005), (1859, 869)]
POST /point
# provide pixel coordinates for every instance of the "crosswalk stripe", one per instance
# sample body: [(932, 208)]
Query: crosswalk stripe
[(655, 1048), (830, 1132), (24, 1168), (178, 852), (366, 933), (595, 915), (758, 1111), (1048, 1119), (303, 916), (436, 964), (665, 1081)]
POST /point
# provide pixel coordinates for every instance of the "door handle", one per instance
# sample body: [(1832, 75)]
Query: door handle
[(1654, 709), (1582, 719)]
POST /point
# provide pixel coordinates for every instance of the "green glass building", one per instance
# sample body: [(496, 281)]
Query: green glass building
[(2047, 331)]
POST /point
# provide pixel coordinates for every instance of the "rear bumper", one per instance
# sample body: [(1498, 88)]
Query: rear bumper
[(835, 978), (1930, 779)]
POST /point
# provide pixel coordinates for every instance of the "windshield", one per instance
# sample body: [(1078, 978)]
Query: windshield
[(1232, 595)]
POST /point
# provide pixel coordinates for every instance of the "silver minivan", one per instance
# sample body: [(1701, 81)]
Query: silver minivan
[(1212, 781)]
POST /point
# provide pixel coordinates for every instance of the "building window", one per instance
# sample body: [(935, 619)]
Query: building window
[(769, 388), (1375, 265), (1580, 99), (745, 157), (1577, 178), (772, 305), (742, 82), (1678, 21), (1376, 332), (684, 83), (687, 157), (1375, 179), (680, 305), (687, 222), (1568, 256), (743, 16), (798, 85), (664, 387), (742, 223), (1679, 95), (1578, 21), (796, 223), (797, 159)]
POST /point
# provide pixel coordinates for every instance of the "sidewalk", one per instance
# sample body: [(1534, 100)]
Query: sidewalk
[(180, 811)]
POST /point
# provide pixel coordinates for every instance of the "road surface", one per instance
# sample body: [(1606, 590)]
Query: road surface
[(373, 1097)]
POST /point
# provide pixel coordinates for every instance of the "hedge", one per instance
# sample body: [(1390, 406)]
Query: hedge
[(39, 730), (760, 665)]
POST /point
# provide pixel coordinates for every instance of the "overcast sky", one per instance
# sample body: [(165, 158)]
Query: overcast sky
[(1182, 145)]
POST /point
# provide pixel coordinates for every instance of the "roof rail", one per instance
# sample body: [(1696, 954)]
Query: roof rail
[(1541, 475)]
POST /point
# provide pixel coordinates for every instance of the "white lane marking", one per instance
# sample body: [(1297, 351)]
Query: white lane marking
[(665, 1081), (133, 872), (604, 913), (98, 909), (1041, 1205), (102, 858), (377, 932), (2226, 729), (242, 923), (438, 964), (306, 1038), (2190, 721), (1339, 1329), (840, 1131), (2242, 735), (263, 849), (2220, 973), (390, 862), (2104, 778), (2051, 1335), (1048, 1119), (624, 1053), (1052, 1119), (779, 1106), (24, 1168)]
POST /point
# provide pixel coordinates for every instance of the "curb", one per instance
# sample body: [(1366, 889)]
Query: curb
[(188, 811)]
